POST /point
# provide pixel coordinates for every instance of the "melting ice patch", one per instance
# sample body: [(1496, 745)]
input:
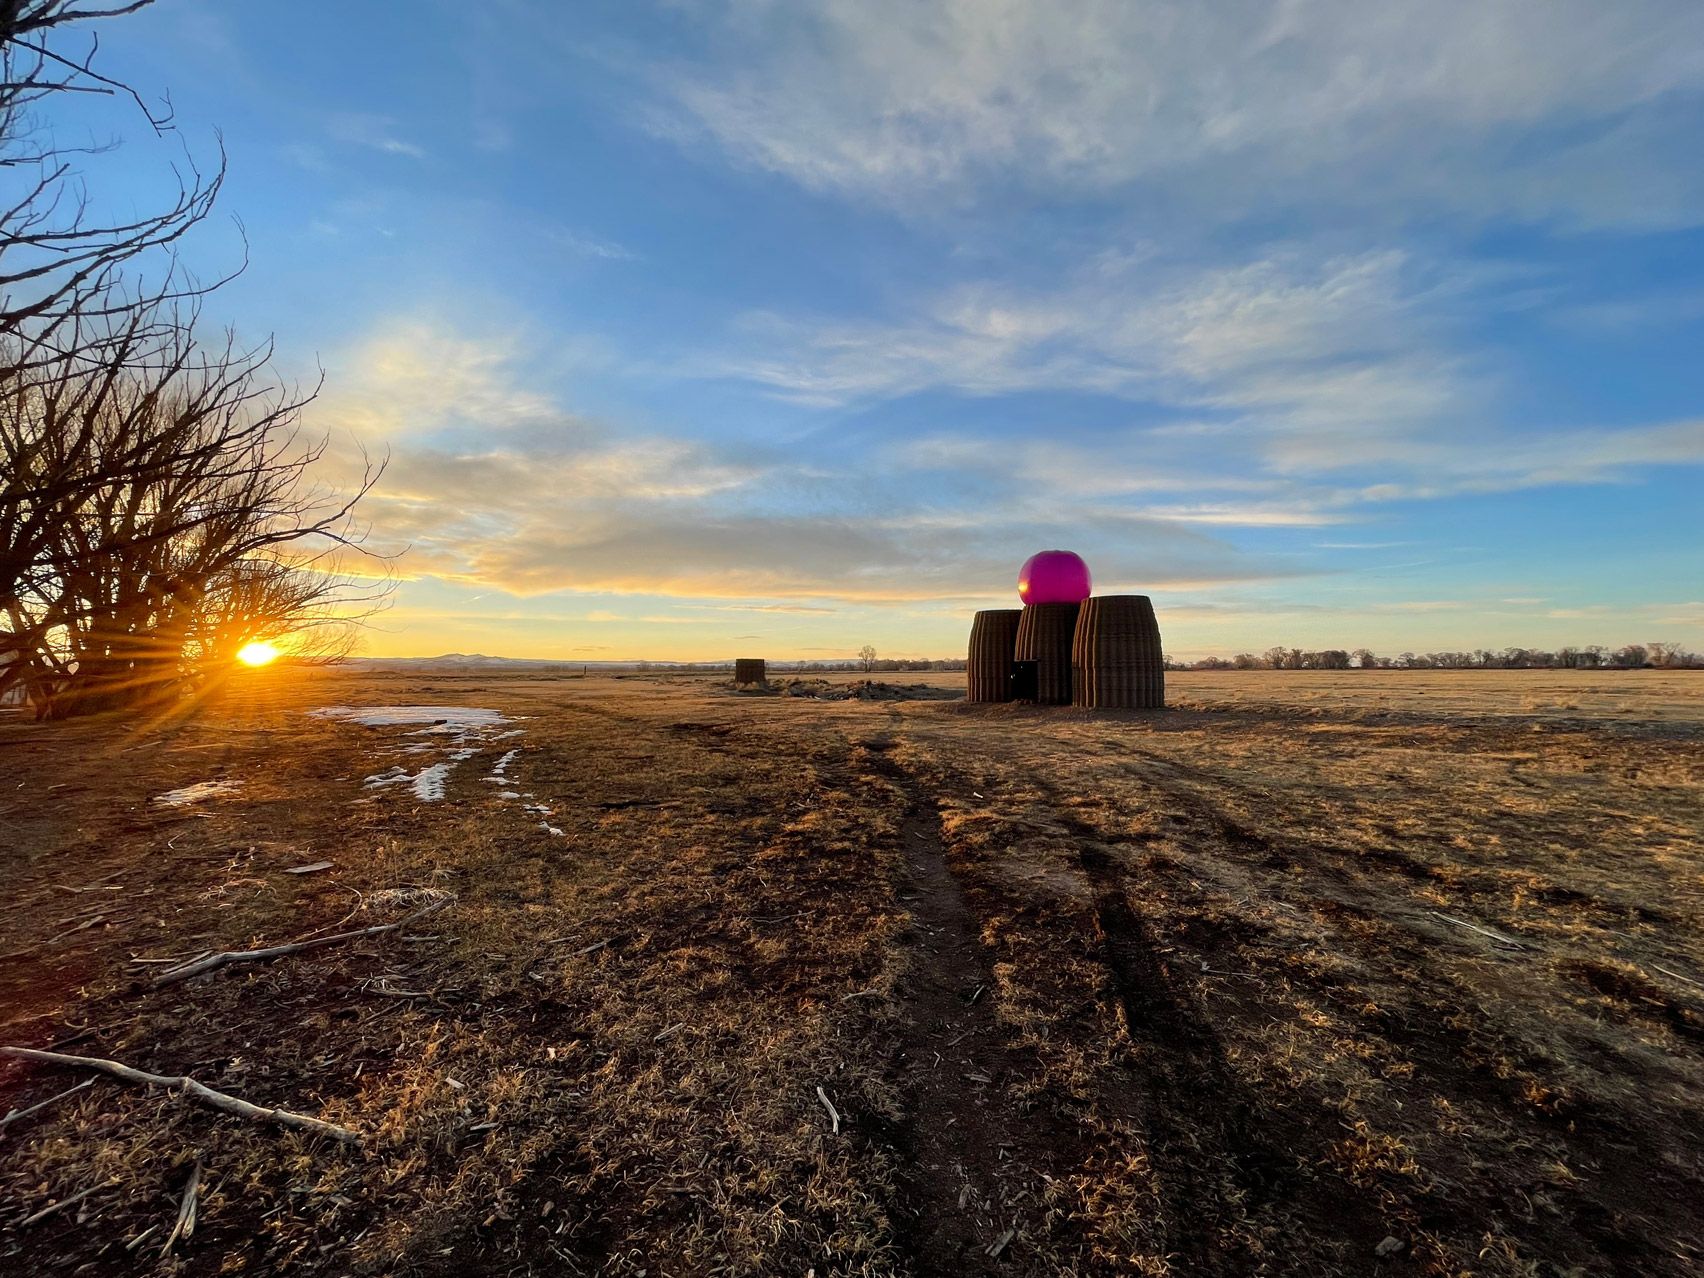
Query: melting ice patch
[(467, 727), (441, 718), (197, 792)]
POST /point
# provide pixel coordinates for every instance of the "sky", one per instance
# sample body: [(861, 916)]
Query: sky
[(699, 328)]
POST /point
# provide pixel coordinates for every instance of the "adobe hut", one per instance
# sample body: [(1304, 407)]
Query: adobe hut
[(1042, 654), (1116, 660), (993, 639), (1067, 646)]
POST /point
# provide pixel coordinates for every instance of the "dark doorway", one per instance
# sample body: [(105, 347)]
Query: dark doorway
[(1024, 675)]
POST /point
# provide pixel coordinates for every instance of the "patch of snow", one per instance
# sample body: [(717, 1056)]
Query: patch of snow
[(512, 732), (550, 829), (197, 792), (507, 794), (498, 767), (391, 777), (442, 718), (428, 783)]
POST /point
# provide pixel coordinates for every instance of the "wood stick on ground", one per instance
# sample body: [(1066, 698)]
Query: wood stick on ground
[(63, 1203), (189, 1087), (188, 1210), (213, 962), (14, 1115), (833, 1113)]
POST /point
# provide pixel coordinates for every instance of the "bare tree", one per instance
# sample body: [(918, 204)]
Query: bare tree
[(156, 498), (67, 272), (199, 511), (867, 654)]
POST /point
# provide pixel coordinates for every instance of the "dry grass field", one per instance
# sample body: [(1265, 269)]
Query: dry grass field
[(1321, 974)]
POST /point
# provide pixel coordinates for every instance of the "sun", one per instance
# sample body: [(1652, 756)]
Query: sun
[(258, 653)]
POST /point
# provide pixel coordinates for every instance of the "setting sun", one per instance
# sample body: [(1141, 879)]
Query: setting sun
[(258, 653)]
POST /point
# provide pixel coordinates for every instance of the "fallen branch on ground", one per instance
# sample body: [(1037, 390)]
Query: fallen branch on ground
[(225, 958), (189, 1087), (14, 1115)]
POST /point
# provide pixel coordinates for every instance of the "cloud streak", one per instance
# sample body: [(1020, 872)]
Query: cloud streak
[(1230, 106)]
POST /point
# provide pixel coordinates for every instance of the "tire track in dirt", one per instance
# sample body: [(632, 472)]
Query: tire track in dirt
[(967, 1158), (1456, 1057), (1217, 1153)]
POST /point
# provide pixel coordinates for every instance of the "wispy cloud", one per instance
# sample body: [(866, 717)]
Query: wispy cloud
[(1231, 108), (584, 245), (1327, 382), (493, 482), (374, 132)]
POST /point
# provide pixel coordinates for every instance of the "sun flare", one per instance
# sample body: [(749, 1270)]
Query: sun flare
[(258, 653)]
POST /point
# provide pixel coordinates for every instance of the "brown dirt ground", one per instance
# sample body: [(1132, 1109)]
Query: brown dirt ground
[(1312, 974)]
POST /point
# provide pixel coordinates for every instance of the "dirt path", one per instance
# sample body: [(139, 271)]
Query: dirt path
[(969, 1157), (949, 1058)]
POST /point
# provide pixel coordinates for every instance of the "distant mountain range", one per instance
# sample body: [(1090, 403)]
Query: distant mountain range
[(479, 661)]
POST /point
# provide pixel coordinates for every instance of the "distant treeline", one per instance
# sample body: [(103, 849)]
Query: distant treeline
[(873, 666), (1633, 656)]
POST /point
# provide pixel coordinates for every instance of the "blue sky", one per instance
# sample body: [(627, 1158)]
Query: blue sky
[(703, 327)]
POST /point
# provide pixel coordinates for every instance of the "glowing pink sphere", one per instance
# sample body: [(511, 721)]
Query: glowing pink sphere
[(1053, 576)]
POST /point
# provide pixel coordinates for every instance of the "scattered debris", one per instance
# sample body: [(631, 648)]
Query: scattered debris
[(866, 690), (402, 898)]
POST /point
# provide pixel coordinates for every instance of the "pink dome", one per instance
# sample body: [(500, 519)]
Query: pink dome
[(1053, 576)]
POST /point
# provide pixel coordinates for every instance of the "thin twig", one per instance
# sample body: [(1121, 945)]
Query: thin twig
[(1483, 931), (189, 1087), (833, 1113), (16, 1114), (227, 957), (1677, 976), (63, 1203)]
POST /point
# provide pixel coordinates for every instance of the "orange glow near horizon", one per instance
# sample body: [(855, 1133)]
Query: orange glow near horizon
[(258, 653)]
